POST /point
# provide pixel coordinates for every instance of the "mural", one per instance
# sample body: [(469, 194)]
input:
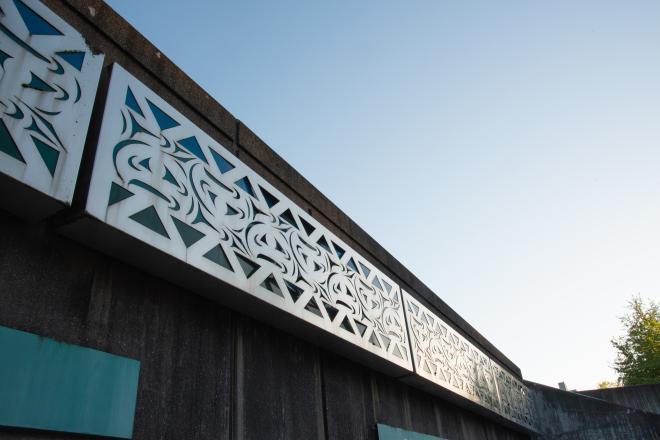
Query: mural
[(446, 358), (161, 179), (48, 81)]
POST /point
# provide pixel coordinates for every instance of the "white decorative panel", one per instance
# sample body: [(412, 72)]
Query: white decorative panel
[(48, 81), (162, 180), (446, 358)]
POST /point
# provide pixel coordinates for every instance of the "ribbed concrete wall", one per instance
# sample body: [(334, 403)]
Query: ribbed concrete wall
[(206, 372)]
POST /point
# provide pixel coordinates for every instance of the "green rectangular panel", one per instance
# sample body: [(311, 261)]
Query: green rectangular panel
[(45, 384), (390, 433)]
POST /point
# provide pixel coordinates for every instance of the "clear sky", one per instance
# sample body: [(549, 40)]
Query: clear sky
[(508, 153)]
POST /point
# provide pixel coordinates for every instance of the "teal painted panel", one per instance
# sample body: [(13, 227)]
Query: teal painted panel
[(45, 384), (390, 433)]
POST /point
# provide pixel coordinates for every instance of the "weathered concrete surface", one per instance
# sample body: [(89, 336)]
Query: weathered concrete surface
[(571, 416), (641, 397), (206, 372)]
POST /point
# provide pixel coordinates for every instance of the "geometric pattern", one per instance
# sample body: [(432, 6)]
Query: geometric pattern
[(446, 358), (161, 179), (48, 81)]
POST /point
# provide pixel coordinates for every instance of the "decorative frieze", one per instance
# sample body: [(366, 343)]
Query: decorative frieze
[(160, 179), (48, 81), (444, 357)]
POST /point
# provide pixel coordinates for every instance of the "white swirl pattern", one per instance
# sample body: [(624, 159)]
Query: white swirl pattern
[(446, 358), (160, 178), (48, 80)]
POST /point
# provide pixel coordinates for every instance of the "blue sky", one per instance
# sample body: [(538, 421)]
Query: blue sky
[(508, 153)]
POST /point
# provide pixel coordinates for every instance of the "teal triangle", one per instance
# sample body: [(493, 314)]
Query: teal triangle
[(351, 265), (148, 218), (248, 266), (164, 120), (132, 103), (117, 194), (145, 164), (35, 24), (373, 339), (288, 217), (324, 243), (340, 252), (39, 84), (73, 57), (188, 234), (245, 185), (218, 256), (191, 144), (7, 144), (346, 325), (271, 200), (271, 284), (223, 164), (294, 290), (365, 270), (49, 154), (4, 57), (170, 177), (307, 226), (137, 128)]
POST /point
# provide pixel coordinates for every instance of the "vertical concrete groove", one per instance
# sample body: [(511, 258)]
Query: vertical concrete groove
[(324, 407), (235, 408)]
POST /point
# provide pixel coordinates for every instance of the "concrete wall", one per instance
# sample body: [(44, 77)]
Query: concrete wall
[(641, 397), (571, 416), (207, 372)]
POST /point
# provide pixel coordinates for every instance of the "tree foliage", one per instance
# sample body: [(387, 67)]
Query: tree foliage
[(638, 349), (606, 384)]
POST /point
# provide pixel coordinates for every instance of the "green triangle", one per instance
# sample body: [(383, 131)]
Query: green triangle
[(145, 164), (313, 306), (361, 327), (248, 266), (170, 177), (218, 256), (271, 284), (7, 144), (149, 218), (37, 83), (373, 340), (188, 234), (4, 57), (49, 154), (117, 194), (346, 325)]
